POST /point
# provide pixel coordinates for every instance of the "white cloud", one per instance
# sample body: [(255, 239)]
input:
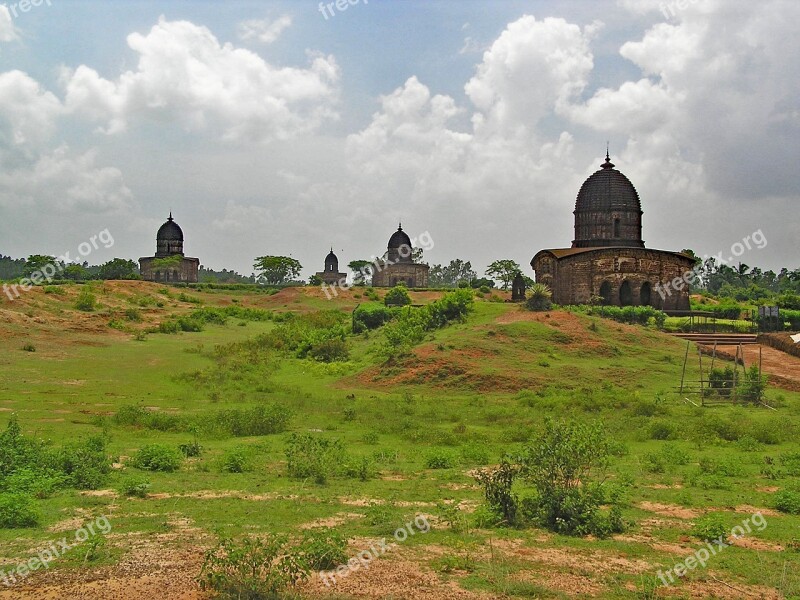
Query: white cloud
[(61, 183), (186, 76), (27, 113), (264, 30), (532, 67), (7, 31)]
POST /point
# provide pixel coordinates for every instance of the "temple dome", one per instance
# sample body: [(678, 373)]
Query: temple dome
[(170, 231), (399, 238), (331, 262), (608, 211), (607, 189)]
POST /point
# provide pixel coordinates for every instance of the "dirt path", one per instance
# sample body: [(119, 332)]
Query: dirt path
[(783, 369)]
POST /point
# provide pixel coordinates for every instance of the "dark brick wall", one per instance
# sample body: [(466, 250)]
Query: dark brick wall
[(575, 279)]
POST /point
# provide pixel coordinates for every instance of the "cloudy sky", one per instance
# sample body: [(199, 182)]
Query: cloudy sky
[(272, 128)]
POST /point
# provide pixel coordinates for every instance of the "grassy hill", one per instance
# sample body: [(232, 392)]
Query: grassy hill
[(410, 432)]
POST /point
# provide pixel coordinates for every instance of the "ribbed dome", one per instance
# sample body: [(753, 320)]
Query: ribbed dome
[(399, 238), (608, 211), (331, 262), (607, 189), (169, 231)]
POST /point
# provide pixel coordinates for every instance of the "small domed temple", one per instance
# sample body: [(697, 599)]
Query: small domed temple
[(331, 273), (169, 265), (608, 259), (399, 265)]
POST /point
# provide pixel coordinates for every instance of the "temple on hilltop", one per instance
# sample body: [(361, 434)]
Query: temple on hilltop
[(331, 273), (608, 259), (169, 265), (399, 265)]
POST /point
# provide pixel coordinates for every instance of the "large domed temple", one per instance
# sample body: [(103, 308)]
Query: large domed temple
[(608, 258), (399, 265), (169, 265)]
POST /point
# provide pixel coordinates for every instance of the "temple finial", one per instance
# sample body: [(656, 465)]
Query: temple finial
[(170, 216), (608, 158), (400, 226)]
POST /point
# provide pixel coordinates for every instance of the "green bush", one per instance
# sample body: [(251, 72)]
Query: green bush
[(252, 568), (710, 528), (237, 460), (331, 350), (85, 464), (397, 296), (663, 430), (323, 549), (440, 459), (17, 511), (157, 457), (371, 316), (788, 501), (133, 314), (312, 457), (565, 463), (135, 486), (86, 300), (259, 420), (540, 298)]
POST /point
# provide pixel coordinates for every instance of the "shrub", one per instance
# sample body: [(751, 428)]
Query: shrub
[(370, 316), (663, 430), (191, 449), (440, 459), (328, 351), (86, 300), (788, 501), (710, 528), (157, 457), (792, 463), (17, 511), (252, 568), (497, 484), (308, 456), (540, 298), (323, 549), (260, 420), (237, 460), (397, 296), (133, 314), (136, 486), (85, 464), (565, 463)]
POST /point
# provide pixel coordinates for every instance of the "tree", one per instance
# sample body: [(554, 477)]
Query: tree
[(452, 274), (76, 272), (362, 271), (119, 268), (315, 280), (277, 270), (505, 270), (38, 263)]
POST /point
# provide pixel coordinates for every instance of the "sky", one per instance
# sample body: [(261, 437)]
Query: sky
[(290, 127)]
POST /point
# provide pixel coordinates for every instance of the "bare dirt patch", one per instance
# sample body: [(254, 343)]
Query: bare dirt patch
[(582, 562), (670, 510)]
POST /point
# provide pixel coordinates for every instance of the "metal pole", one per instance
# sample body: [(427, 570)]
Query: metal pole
[(685, 358)]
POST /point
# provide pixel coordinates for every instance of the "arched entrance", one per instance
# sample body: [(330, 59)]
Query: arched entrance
[(605, 293), (625, 294), (645, 294)]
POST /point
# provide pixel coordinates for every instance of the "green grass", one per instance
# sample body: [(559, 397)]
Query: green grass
[(476, 389)]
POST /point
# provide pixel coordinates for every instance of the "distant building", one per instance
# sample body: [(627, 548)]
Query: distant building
[(518, 288), (399, 265), (169, 265), (608, 258), (331, 273)]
